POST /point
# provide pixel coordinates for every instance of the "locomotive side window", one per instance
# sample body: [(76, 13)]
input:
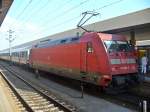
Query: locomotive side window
[(123, 46), (89, 47)]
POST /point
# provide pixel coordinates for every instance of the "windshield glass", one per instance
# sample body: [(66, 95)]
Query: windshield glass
[(117, 45)]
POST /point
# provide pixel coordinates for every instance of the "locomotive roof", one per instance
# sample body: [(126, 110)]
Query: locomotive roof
[(51, 42)]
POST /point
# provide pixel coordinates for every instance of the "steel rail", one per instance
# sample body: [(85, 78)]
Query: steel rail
[(55, 102), (25, 104), (134, 101)]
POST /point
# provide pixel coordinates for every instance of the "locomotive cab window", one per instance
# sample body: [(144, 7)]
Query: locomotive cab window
[(110, 45), (116, 46), (89, 47)]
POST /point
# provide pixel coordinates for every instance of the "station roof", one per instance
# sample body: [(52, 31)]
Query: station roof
[(122, 23), (4, 7)]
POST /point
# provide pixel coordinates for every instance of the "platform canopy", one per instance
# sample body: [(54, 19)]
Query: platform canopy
[(136, 20), (4, 7)]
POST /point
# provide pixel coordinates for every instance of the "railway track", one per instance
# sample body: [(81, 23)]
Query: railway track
[(33, 98), (128, 99)]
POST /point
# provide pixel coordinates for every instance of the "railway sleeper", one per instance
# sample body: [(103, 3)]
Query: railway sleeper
[(31, 101), (25, 92), (31, 96), (34, 98), (41, 105), (38, 108), (23, 109), (38, 104)]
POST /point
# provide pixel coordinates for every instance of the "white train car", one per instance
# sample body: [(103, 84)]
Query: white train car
[(18, 55)]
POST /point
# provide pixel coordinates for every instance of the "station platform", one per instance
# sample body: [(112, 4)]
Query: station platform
[(6, 102)]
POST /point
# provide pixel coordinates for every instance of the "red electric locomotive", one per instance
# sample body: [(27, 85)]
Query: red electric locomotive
[(97, 58)]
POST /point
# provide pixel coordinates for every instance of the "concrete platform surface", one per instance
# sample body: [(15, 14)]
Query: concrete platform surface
[(6, 102)]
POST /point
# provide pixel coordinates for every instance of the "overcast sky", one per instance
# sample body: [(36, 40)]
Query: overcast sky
[(34, 19)]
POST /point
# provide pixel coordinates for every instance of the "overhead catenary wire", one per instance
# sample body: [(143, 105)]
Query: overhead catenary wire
[(61, 14), (49, 12), (21, 13), (56, 9), (29, 7), (35, 11), (64, 12), (59, 24), (63, 23), (46, 14), (110, 4), (68, 11)]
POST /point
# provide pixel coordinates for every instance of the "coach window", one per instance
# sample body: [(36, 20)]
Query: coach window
[(89, 47)]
